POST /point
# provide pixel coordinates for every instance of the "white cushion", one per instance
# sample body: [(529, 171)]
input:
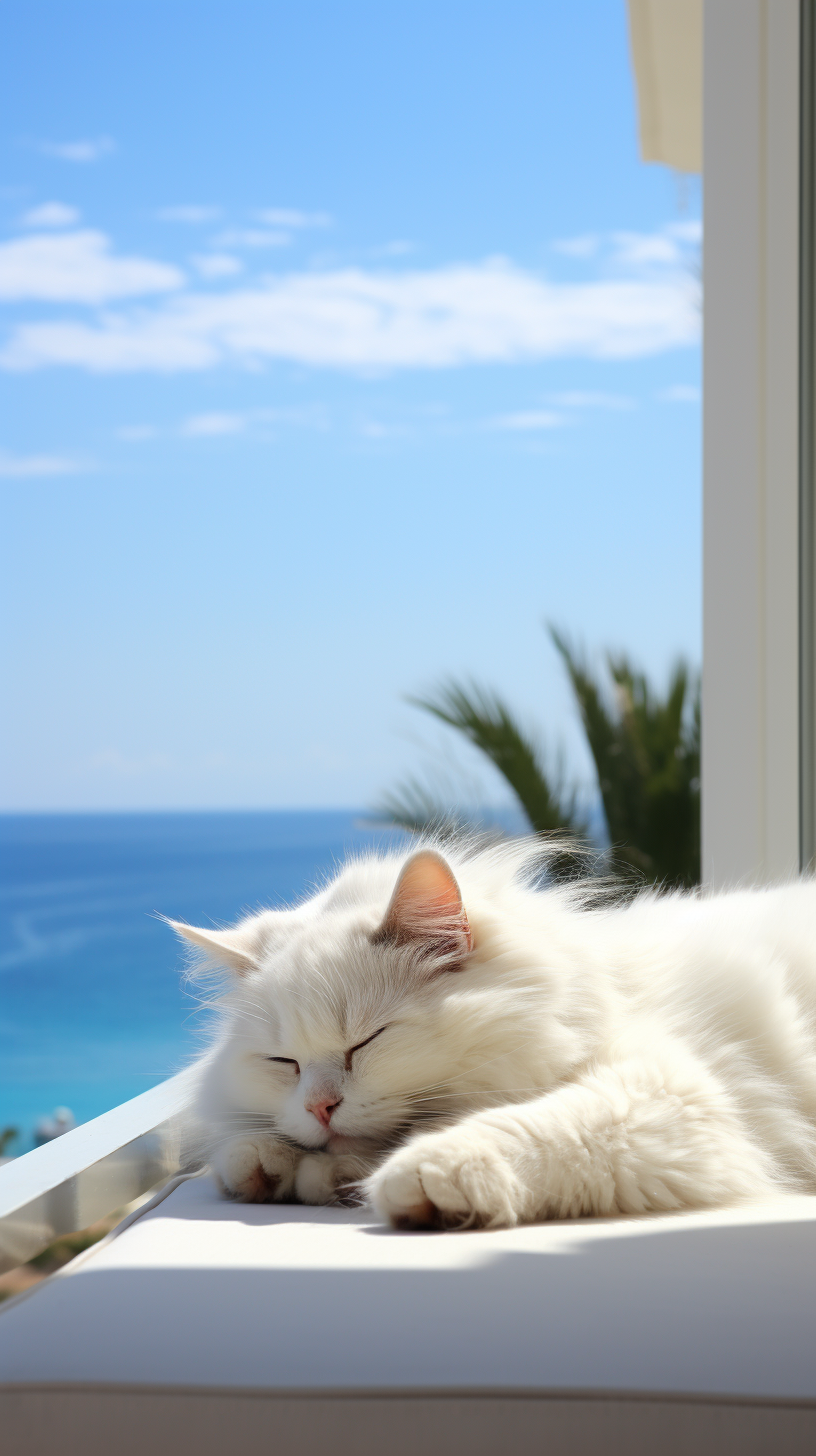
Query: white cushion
[(202, 1295)]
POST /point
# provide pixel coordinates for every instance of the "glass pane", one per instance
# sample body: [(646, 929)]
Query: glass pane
[(348, 348), (807, 487)]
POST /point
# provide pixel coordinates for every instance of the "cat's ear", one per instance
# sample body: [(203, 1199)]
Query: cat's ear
[(234, 948), (426, 909)]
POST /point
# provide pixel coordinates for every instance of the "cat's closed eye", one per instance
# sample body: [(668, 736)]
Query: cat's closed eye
[(360, 1045), (286, 1061)]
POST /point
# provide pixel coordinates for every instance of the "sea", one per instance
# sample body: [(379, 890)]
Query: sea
[(94, 1007)]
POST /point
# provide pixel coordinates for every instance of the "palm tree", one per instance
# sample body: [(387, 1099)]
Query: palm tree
[(646, 750)]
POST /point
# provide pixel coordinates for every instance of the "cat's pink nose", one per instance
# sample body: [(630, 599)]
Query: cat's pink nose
[(323, 1109)]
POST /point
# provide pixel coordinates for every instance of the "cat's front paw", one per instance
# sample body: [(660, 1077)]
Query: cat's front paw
[(256, 1168), (331, 1178), (460, 1178)]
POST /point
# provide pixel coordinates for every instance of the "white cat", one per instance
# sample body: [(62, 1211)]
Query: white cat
[(501, 1053)]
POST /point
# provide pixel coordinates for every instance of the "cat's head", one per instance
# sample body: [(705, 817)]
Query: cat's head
[(348, 1018)]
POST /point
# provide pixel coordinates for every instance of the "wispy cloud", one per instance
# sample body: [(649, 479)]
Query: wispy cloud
[(562, 408), (633, 250), (189, 213), (585, 246), (480, 313), (667, 247), (592, 399), (51, 215), (78, 267), (349, 318), (87, 150), (231, 422), (217, 265), (291, 217), (690, 231), (529, 420), (251, 238), (681, 394), (399, 248), (214, 424), (29, 467), (379, 430)]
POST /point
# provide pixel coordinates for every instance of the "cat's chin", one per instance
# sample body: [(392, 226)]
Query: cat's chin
[(338, 1142), (341, 1142)]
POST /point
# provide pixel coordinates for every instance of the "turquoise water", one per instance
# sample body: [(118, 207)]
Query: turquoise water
[(93, 1008)]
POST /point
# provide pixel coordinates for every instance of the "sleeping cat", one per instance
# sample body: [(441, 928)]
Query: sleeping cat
[(477, 1051)]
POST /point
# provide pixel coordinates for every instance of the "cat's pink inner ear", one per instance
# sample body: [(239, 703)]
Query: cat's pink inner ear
[(225, 947), (427, 906)]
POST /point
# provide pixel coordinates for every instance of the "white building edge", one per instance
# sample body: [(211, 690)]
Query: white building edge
[(759, 746), (201, 1324), (752, 62)]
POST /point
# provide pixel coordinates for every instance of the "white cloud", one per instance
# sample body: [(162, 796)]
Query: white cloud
[(214, 424), (671, 246), (353, 318), (585, 246), (491, 312), (260, 421), (29, 467), (290, 217), (119, 346), (681, 394), (217, 265), (634, 250), (192, 214), (78, 267), (51, 215), (89, 150), (592, 399), (529, 420), (550, 415), (251, 238), (396, 249), (690, 231)]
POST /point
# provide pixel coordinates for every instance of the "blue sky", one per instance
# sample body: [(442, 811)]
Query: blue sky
[(341, 347)]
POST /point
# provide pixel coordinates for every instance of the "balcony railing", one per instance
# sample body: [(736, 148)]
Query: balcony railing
[(89, 1172)]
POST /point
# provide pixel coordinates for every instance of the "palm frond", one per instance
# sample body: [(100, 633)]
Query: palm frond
[(486, 721), (647, 757), (646, 750), (415, 807)]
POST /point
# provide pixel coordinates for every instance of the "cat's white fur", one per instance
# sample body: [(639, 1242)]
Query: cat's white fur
[(539, 1058)]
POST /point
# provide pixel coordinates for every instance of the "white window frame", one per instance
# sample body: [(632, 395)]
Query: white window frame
[(758, 624)]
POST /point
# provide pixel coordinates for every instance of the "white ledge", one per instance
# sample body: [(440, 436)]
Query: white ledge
[(206, 1325)]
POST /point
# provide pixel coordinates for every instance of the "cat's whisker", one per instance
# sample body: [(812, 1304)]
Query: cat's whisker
[(477, 1095)]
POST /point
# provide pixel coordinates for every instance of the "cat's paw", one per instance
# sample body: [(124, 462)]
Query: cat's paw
[(461, 1178), (330, 1178), (256, 1169)]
